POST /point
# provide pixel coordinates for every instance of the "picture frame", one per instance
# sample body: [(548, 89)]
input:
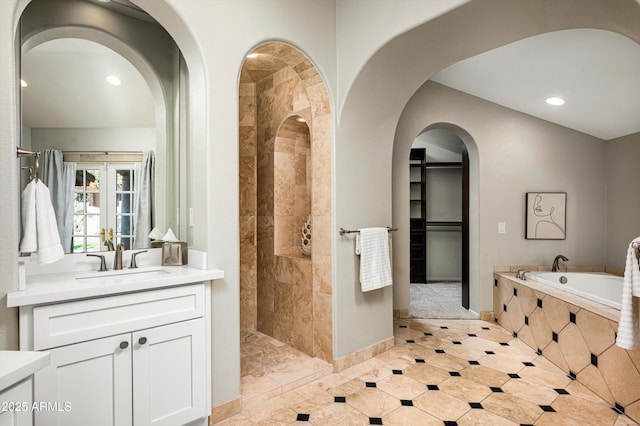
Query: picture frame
[(546, 216)]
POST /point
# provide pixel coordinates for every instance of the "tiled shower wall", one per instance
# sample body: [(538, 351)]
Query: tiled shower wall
[(292, 186), (577, 336), (271, 285), (248, 212)]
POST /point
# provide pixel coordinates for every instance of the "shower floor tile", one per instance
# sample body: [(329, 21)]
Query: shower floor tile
[(441, 372), (270, 368)]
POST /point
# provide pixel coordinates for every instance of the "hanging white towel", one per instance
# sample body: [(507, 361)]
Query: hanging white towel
[(29, 242), (628, 325), (372, 244), (39, 226)]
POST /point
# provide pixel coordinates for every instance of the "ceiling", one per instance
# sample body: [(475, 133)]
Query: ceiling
[(67, 85), (597, 73), (67, 88)]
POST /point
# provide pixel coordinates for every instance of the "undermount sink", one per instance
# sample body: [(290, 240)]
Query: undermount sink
[(124, 273)]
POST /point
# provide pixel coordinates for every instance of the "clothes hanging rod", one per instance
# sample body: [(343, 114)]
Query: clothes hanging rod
[(343, 231)]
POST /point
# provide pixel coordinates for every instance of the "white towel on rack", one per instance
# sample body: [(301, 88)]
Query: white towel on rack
[(372, 244), (628, 325), (39, 227)]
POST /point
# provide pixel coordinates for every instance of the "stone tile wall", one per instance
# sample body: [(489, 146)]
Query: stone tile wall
[(248, 207), (292, 185), (267, 99), (576, 334)]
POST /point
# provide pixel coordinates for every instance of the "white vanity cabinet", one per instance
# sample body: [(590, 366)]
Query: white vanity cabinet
[(16, 386), (126, 359), (15, 404)]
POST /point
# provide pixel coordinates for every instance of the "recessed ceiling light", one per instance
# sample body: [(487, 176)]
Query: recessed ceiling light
[(555, 101), (23, 83), (301, 120), (114, 80), (252, 55)]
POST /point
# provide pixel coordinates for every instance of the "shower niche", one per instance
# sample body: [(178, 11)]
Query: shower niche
[(292, 187)]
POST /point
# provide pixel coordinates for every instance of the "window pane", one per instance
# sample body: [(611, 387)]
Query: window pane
[(93, 178), (123, 203), (93, 243), (78, 206), (78, 224), (93, 224), (123, 179), (124, 224), (127, 242), (78, 244)]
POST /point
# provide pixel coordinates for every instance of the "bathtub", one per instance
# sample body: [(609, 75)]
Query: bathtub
[(599, 287)]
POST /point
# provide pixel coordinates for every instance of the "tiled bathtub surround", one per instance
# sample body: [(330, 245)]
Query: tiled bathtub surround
[(574, 333), (279, 84), (441, 372)]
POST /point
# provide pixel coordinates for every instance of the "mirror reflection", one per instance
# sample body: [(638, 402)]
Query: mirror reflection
[(92, 115)]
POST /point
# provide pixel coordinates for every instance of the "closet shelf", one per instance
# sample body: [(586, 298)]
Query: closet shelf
[(444, 226), (429, 166)]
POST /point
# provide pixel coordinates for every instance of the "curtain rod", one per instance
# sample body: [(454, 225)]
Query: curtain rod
[(103, 152)]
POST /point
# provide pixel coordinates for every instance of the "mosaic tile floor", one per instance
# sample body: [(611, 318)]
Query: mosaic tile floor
[(441, 372)]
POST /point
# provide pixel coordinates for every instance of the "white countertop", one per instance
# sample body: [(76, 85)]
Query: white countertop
[(17, 365), (51, 288)]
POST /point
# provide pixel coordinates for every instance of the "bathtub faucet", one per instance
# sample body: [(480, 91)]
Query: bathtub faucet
[(556, 262)]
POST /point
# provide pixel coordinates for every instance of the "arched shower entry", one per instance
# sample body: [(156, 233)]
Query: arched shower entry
[(285, 186)]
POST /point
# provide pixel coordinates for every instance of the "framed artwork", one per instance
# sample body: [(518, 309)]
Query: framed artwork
[(546, 216)]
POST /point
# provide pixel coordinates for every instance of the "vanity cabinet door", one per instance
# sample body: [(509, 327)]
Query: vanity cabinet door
[(87, 383), (169, 374), (16, 403)]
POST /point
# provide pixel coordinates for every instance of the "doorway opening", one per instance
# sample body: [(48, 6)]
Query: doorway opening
[(439, 226), (285, 222)]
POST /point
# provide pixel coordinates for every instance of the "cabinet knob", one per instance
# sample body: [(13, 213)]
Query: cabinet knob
[(124, 345), (142, 340)]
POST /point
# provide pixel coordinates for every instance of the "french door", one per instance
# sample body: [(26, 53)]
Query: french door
[(104, 206)]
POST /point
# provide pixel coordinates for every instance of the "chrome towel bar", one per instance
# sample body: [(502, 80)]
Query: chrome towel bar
[(36, 161), (343, 231)]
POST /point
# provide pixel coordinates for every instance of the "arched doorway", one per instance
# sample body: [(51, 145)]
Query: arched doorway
[(439, 226), (285, 185)]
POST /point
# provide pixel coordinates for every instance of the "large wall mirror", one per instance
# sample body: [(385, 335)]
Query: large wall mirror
[(100, 94)]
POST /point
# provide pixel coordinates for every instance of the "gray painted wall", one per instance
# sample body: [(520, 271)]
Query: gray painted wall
[(513, 153), (105, 139), (623, 197)]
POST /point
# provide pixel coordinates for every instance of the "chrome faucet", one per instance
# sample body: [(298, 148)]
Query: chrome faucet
[(103, 265), (133, 259), (117, 259), (556, 262)]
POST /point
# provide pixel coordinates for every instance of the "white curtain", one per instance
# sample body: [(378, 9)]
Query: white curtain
[(143, 208), (60, 178)]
